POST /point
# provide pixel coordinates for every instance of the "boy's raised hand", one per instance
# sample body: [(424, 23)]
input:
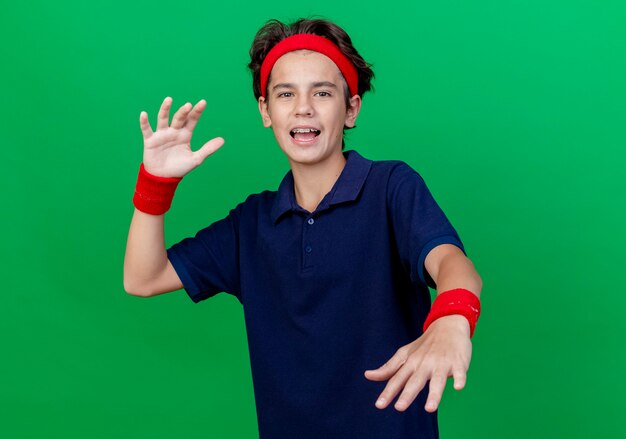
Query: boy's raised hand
[(167, 152)]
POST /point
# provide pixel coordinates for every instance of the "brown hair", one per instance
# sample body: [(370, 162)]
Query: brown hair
[(275, 31)]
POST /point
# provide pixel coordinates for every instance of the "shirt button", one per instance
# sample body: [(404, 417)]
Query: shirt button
[(311, 221), (308, 249)]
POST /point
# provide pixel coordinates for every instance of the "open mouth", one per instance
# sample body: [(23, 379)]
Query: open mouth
[(304, 134)]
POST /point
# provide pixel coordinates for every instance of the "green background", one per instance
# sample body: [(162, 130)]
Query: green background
[(514, 113)]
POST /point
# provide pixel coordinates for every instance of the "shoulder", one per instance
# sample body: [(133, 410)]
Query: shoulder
[(390, 168), (255, 204), (399, 183), (260, 198), (393, 174)]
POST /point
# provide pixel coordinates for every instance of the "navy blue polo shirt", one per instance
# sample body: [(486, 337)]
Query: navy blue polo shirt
[(326, 295)]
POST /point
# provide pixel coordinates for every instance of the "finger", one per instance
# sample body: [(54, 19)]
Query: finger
[(179, 117), (460, 378), (413, 387), (387, 370), (208, 148), (194, 115), (144, 124), (392, 388), (436, 386), (164, 114)]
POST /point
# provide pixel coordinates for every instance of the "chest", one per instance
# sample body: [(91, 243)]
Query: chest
[(339, 241)]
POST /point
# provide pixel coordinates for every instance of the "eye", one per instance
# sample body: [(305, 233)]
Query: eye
[(285, 94), (323, 94)]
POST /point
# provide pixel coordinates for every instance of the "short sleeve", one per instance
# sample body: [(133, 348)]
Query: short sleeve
[(419, 224), (208, 263)]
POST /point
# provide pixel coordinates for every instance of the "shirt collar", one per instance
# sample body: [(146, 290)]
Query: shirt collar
[(346, 188)]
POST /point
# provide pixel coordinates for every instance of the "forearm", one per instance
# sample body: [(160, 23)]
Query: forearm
[(146, 256), (457, 271)]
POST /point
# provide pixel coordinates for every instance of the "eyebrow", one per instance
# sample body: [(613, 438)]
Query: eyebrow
[(315, 85)]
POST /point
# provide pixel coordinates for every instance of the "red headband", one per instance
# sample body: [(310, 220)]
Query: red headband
[(317, 44)]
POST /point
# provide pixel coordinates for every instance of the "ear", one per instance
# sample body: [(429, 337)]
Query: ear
[(265, 115), (353, 111)]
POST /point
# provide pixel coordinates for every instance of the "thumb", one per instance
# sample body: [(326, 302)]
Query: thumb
[(387, 370), (208, 148)]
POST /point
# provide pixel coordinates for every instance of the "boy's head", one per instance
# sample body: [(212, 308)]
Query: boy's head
[(275, 31), (302, 73)]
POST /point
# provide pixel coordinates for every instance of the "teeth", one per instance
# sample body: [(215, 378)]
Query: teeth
[(304, 130)]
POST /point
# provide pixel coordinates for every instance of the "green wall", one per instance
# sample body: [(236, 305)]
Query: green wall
[(514, 112)]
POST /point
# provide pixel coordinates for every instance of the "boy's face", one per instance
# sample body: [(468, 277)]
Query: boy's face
[(306, 94)]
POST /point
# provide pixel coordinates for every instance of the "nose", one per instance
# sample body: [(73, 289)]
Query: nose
[(304, 105)]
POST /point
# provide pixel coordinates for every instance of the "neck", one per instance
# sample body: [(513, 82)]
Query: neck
[(313, 182)]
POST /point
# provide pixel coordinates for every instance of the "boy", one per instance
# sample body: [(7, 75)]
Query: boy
[(332, 269)]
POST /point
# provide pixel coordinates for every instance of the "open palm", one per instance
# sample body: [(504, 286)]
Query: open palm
[(167, 151)]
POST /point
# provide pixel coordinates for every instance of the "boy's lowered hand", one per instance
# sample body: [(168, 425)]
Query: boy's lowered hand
[(443, 351)]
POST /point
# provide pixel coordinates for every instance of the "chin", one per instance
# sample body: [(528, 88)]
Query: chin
[(304, 158), (308, 154)]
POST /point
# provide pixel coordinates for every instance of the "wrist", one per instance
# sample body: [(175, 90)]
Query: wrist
[(459, 303), (154, 194), (456, 322)]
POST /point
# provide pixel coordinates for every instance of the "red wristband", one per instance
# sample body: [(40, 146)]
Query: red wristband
[(154, 194), (457, 301)]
